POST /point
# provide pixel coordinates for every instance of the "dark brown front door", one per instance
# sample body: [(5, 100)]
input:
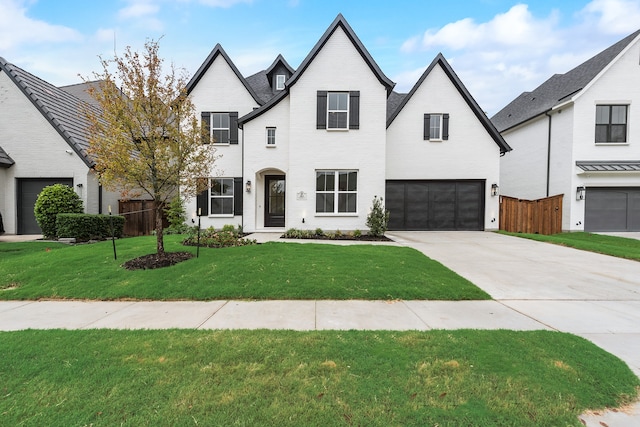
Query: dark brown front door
[(274, 201)]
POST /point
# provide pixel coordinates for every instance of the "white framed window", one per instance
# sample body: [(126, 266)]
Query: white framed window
[(220, 127), (221, 196), (435, 127), (338, 110), (280, 78), (336, 191), (271, 137), (611, 123)]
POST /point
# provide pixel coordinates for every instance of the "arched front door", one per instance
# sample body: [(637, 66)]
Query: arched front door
[(274, 204)]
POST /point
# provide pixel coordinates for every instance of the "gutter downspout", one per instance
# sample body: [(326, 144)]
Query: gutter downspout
[(548, 151)]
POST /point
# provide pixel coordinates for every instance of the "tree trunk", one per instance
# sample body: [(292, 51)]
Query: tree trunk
[(159, 231)]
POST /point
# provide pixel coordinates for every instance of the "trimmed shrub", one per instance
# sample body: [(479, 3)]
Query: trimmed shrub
[(378, 218), (53, 200), (85, 227), (227, 237)]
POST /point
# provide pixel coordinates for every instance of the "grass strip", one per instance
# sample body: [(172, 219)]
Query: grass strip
[(319, 378), (620, 247), (35, 270)]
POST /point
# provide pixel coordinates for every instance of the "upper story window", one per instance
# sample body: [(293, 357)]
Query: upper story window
[(271, 137), (436, 127), (338, 110), (220, 128), (611, 123), (280, 78)]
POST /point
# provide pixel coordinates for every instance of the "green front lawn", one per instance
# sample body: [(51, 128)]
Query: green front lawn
[(620, 247), (321, 378), (33, 270)]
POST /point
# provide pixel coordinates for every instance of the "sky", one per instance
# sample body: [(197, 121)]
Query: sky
[(499, 48)]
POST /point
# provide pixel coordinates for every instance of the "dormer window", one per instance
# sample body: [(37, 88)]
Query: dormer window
[(280, 78)]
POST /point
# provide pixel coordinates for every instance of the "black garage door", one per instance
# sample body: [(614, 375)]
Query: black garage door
[(612, 209), (28, 190), (435, 205)]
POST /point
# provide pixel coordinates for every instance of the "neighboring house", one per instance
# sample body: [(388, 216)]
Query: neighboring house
[(578, 134), (310, 148), (42, 142)]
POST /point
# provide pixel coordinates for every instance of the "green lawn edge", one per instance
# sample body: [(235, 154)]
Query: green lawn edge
[(316, 378), (620, 247), (276, 270)]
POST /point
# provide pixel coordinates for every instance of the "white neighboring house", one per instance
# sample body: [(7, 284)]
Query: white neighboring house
[(578, 134), (42, 142), (312, 147)]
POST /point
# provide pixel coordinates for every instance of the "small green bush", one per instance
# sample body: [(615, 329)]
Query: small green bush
[(227, 237), (177, 217), (85, 227), (378, 218), (53, 200), (357, 233)]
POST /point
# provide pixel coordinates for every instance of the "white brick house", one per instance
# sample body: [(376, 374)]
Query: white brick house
[(311, 148), (42, 142), (577, 135)]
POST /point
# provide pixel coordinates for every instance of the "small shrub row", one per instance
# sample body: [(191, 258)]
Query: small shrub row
[(318, 233), (85, 227), (228, 236)]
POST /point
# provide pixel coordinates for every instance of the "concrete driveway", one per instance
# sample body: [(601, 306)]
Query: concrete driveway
[(587, 294)]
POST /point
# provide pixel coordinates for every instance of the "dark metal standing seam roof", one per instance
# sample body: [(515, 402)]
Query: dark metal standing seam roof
[(61, 109), (557, 89), (610, 166)]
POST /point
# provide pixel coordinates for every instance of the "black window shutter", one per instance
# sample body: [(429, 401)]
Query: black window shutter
[(233, 127), (321, 115), (237, 196), (354, 109), (205, 121), (427, 119), (202, 201), (445, 126)]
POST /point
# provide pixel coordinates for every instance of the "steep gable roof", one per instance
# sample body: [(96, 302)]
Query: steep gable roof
[(462, 90), (558, 88), (219, 51), (61, 109), (339, 22), (261, 81)]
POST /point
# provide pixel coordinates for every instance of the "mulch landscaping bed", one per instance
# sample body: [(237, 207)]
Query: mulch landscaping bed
[(148, 262), (363, 238)]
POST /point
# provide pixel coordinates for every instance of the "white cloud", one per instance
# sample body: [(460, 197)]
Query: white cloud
[(223, 3), (17, 29), (138, 9), (613, 16)]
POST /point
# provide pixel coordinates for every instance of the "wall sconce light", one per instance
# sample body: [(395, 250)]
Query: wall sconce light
[(580, 193), (494, 190), (248, 186), (79, 185)]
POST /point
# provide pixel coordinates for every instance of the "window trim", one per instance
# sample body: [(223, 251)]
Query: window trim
[(232, 197), (443, 127), (280, 79), (336, 192), (329, 110), (268, 137), (610, 124)]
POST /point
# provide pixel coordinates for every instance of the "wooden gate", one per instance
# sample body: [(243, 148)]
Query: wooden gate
[(542, 216), (139, 217)]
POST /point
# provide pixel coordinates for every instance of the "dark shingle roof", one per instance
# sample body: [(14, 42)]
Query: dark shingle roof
[(5, 160), (557, 89), (462, 90), (393, 102), (63, 110), (610, 166), (261, 83)]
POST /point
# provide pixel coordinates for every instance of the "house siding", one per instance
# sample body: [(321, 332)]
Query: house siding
[(468, 154)]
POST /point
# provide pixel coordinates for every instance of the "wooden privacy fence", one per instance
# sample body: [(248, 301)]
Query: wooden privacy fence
[(139, 217), (542, 216)]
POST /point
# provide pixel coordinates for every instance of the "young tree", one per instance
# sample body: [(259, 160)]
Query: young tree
[(145, 138)]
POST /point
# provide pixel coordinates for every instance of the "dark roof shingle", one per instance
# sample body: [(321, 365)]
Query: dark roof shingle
[(557, 89)]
